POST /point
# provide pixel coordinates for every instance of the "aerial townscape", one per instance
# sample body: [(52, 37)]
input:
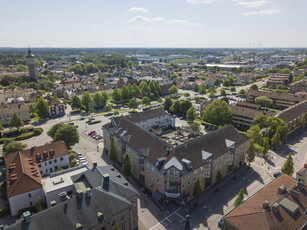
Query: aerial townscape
[(163, 124)]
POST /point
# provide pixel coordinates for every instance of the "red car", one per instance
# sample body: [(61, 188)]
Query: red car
[(91, 132), (94, 133)]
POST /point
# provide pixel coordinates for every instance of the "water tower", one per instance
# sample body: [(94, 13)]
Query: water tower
[(32, 64)]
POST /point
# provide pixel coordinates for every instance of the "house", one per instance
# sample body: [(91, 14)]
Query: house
[(7, 111), (56, 108), (292, 115), (298, 86), (209, 82), (279, 205), (301, 175), (16, 93), (277, 79), (23, 182), (172, 171), (280, 100), (98, 207)]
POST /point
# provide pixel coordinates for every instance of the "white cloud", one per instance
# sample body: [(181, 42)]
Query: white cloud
[(176, 21), (251, 4), (262, 12), (139, 18), (184, 22), (138, 10), (144, 28), (158, 19), (199, 1)]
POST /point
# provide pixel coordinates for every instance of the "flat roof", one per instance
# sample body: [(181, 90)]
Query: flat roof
[(61, 179)]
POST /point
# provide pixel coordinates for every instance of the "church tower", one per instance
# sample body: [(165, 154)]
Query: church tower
[(32, 64)]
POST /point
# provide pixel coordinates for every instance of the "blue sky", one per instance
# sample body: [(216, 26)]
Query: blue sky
[(153, 23)]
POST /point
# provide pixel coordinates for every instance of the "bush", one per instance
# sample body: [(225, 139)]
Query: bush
[(94, 122), (3, 190), (2, 140), (73, 163), (71, 156), (37, 131), (24, 136), (116, 113)]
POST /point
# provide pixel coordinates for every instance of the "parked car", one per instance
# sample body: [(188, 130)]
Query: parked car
[(70, 123), (276, 174), (91, 132), (82, 118), (79, 155)]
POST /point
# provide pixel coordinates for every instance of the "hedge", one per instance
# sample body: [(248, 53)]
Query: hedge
[(24, 136), (94, 122)]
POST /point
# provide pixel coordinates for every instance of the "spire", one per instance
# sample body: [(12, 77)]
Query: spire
[(29, 52)]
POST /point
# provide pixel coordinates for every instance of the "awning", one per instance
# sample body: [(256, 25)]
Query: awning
[(157, 196), (171, 194)]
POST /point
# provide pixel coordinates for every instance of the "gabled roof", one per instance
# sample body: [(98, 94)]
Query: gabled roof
[(293, 112), (148, 114), (252, 213), (173, 162), (76, 210), (22, 174), (273, 95), (9, 109)]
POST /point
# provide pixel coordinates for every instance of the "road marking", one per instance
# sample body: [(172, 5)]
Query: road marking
[(164, 219)]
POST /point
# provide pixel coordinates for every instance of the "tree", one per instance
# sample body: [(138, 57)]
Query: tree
[(242, 92), (145, 89), (76, 102), (126, 166), (185, 106), (197, 191), (191, 114), (115, 227), (264, 101), (173, 90), (52, 131), (107, 108), (168, 103), (116, 95), (86, 100), (223, 92), (125, 93), (290, 78), (226, 83), (217, 82), (233, 89), (112, 150), (303, 120), (288, 167), (67, 133), (136, 90), (97, 99), (154, 88), (12, 147), (239, 199), (266, 146), (217, 113), (254, 133), (260, 120), (195, 87), (16, 121), (146, 101), (42, 108), (202, 90), (133, 104), (175, 108), (253, 87), (251, 152), (104, 98), (276, 139), (219, 177), (1, 129), (38, 204)]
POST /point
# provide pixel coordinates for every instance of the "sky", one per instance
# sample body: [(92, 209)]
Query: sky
[(153, 23)]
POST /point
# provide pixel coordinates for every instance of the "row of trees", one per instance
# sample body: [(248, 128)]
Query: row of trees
[(99, 99), (181, 108)]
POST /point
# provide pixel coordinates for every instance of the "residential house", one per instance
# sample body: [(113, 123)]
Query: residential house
[(277, 79), (301, 175), (281, 204), (292, 115), (7, 111), (209, 82), (16, 93), (298, 86), (56, 108), (280, 100), (172, 171)]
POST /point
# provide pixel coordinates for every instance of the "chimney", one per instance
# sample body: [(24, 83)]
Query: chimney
[(27, 216), (94, 164), (63, 196), (78, 226), (265, 204), (295, 194), (100, 216), (282, 189), (88, 192), (275, 208), (52, 203), (105, 181), (79, 194)]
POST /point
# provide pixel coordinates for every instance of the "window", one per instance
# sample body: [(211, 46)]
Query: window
[(51, 170), (31, 203), (45, 163), (61, 158), (55, 160), (55, 168), (50, 162), (29, 195), (39, 165)]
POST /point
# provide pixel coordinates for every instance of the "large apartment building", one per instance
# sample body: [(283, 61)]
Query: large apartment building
[(277, 79), (170, 170), (299, 86), (25, 93), (279, 205), (280, 100)]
